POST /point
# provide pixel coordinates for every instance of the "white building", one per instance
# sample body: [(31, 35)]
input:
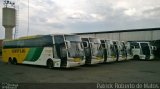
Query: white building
[(147, 34)]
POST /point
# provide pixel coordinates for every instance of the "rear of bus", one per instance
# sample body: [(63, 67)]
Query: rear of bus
[(142, 50)]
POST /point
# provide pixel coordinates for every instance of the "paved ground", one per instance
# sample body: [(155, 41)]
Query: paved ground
[(127, 71)]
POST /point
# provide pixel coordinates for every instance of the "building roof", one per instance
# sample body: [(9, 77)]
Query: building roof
[(129, 30)]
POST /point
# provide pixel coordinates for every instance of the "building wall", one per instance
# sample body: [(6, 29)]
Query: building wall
[(133, 36), (88, 35), (113, 36), (156, 35), (127, 36)]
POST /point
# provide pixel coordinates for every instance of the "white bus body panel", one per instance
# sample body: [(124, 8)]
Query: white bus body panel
[(109, 59), (45, 55)]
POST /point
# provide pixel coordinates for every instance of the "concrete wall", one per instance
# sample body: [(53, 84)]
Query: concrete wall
[(127, 36), (113, 36), (141, 35), (156, 35)]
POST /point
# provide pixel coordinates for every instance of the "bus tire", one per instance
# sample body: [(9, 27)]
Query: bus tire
[(10, 60), (50, 64), (136, 57), (14, 61)]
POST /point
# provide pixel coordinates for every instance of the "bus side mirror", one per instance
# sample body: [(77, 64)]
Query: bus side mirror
[(68, 44), (85, 44)]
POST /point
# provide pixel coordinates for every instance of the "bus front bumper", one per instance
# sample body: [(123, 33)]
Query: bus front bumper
[(73, 64), (109, 59), (96, 61), (83, 62), (143, 57), (129, 57)]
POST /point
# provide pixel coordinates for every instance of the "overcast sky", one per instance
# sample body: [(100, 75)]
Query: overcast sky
[(76, 16)]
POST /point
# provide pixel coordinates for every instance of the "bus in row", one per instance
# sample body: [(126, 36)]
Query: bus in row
[(115, 50), (142, 50), (92, 50), (68, 50), (47, 50)]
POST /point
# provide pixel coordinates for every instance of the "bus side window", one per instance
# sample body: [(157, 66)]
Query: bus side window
[(132, 47), (85, 44)]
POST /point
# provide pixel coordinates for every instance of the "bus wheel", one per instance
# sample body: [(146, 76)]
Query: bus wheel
[(49, 63), (14, 61), (10, 61)]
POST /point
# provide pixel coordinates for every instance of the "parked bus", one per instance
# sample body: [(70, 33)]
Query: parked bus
[(93, 50), (47, 50), (142, 50), (109, 51), (120, 50)]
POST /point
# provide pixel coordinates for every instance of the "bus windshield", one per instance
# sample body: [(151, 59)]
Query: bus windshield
[(75, 49), (96, 48)]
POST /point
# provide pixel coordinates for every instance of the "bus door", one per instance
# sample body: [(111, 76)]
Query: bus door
[(145, 50), (124, 50), (112, 52), (120, 51), (128, 50), (116, 50), (97, 51), (61, 49), (104, 46), (87, 50)]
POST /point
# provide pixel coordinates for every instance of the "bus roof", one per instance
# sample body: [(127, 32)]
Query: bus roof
[(34, 36), (26, 37)]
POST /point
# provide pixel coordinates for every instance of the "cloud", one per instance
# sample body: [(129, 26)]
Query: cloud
[(81, 16), (130, 11), (71, 16), (153, 12)]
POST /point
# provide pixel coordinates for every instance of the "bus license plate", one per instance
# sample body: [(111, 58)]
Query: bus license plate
[(76, 59)]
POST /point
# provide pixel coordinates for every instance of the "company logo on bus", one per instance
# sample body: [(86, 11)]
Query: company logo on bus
[(18, 50)]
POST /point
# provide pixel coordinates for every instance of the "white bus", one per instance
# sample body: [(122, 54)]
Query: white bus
[(142, 50), (47, 50), (93, 50), (109, 51)]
